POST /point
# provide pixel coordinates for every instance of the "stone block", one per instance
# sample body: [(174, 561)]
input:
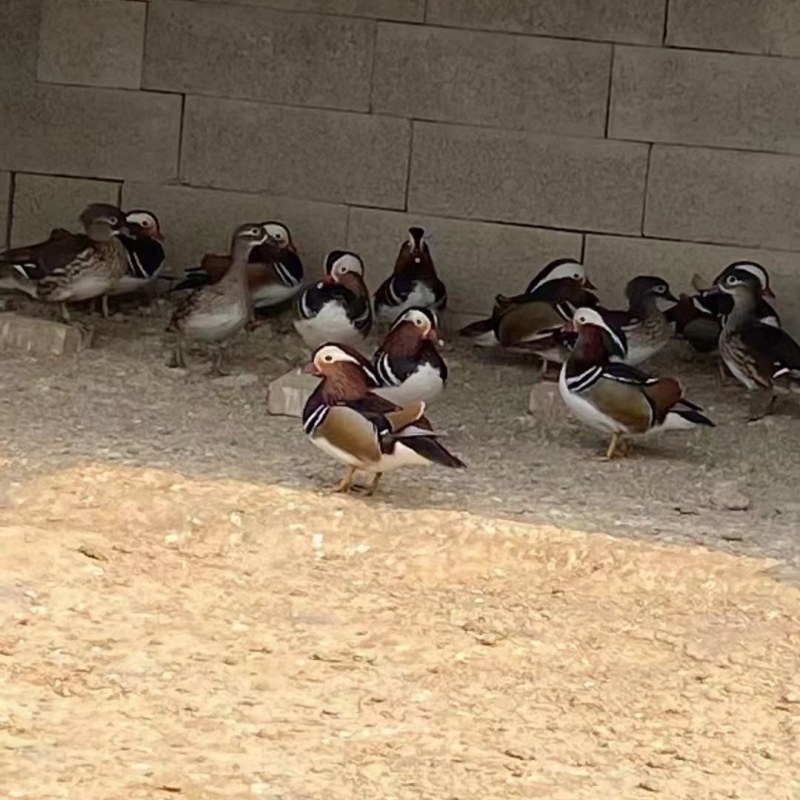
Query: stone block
[(612, 261), (44, 202), (639, 21), (545, 403), (751, 26), (656, 95), (317, 155), (727, 197), (197, 221), (476, 260), (19, 42), (105, 133), (39, 337), (288, 394), (259, 53), (5, 208), (92, 42), (403, 10), (490, 79), (562, 182)]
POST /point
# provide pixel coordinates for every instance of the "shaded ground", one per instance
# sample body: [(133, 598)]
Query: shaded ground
[(183, 613)]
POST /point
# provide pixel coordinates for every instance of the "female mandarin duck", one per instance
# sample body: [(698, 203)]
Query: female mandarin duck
[(413, 283), (615, 398), (408, 364), (361, 430), (216, 313), (337, 308)]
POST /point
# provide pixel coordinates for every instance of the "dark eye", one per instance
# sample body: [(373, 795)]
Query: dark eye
[(660, 289), (145, 223), (329, 359), (112, 221)]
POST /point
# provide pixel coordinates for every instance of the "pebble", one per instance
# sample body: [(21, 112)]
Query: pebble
[(729, 496)]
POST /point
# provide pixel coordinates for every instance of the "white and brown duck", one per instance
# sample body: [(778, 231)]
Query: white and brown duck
[(214, 314), (413, 282), (337, 308)]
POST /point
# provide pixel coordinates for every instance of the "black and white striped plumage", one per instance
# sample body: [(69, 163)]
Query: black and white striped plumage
[(144, 250), (337, 308)]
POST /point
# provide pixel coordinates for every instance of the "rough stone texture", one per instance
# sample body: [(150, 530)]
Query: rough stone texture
[(404, 10), (319, 155), (44, 202), (545, 403), (92, 42), (263, 54), (612, 260), (5, 207), (511, 177), (613, 20), (196, 221), (288, 394), (491, 79), (714, 99), (476, 260), (755, 26), (39, 337), (724, 196), (102, 133), (19, 41)]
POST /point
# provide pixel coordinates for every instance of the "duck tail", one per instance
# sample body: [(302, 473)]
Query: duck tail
[(432, 450), (194, 278), (687, 418)]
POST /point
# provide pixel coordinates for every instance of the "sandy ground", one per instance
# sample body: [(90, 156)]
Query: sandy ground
[(183, 612)]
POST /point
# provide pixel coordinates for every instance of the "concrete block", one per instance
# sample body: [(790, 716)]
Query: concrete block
[(536, 180), (751, 26), (44, 202), (92, 42), (726, 197), (656, 95), (5, 207), (105, 133), (613, 260), (545, 403), (19, 42), (40, 337), (491, 79), (641, 21), (403, 10), (259, 53), (288, 394), (317, 155), (197, 221), (476, 260)]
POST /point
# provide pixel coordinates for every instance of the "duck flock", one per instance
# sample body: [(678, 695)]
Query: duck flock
[(368, 413)]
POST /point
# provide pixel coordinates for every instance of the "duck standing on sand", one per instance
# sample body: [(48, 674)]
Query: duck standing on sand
[(216, 313)]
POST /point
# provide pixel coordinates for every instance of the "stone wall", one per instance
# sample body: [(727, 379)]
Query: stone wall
[(642, 135)]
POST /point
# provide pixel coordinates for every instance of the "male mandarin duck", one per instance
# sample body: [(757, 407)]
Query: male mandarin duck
[(337, 308), (408, 364), (361, 430), (145, 252), (698, 318), (616, 398), (645, 327), (274, 269), (759, 355), (413, 283), (70, 267), (217, 312)]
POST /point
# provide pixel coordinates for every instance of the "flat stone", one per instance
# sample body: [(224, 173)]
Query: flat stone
[(40, 337), (544, 400), (288, 394), (728, 496)]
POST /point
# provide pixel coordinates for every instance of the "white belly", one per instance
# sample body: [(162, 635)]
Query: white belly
[(215, 327), (330, 325), (425, 384), (584, 411), (85, 287), (402, 457), (273, 294), (127, 284)]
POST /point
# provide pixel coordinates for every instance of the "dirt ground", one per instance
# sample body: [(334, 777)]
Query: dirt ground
[(184, 613)]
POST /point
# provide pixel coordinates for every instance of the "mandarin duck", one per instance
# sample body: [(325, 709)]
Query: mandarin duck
[(408, 365), (698, 318), (645, 327), (337, 308), (616, 398), (274, 269), (361, 430), (70, 267), (217, 312), (562, 272), (413, 283), (145, 252), (760, 356)]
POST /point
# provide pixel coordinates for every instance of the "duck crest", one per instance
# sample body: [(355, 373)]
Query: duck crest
[(414, 258)]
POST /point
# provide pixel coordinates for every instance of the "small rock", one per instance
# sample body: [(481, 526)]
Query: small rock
[(544, 400), (729, 496), (288, 394), (237, 381), (40, 337)]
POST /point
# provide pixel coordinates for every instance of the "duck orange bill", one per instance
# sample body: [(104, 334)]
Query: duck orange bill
[(310, 368), (587, 284), (569, 326)]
